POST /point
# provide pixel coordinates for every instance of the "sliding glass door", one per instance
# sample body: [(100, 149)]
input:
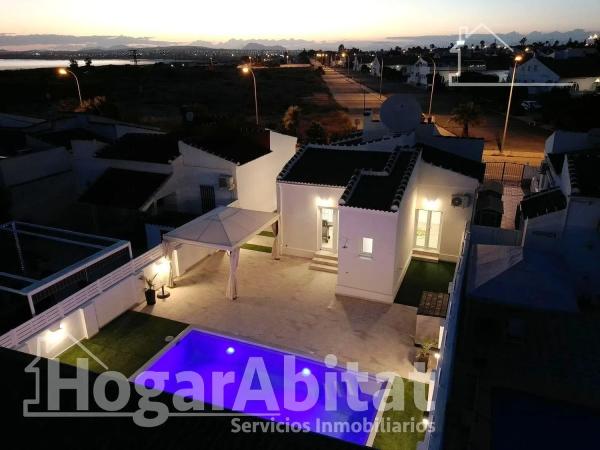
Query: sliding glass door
[(428, 227)]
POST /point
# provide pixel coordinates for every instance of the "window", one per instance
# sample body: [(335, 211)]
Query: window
[(367, 247)]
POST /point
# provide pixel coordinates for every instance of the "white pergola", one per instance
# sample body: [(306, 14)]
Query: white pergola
[(224, 228)]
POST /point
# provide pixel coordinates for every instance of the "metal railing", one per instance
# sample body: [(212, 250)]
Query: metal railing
[(50, 316), (509, 173), (443, 374)]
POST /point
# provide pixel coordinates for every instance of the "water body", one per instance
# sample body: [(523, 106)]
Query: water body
[(18, 64)]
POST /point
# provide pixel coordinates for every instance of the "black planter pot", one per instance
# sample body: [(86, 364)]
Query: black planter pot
[(150, 296)]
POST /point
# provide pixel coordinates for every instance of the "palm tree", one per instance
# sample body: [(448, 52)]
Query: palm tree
[(467, 114), (291, 118)]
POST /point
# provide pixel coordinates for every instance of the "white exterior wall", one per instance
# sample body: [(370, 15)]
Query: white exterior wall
[(35, 165), (299, 211), (544, 232), (406, 226), (359, 276), (583, 84), (435, 189), (195, 168), (257, 180)]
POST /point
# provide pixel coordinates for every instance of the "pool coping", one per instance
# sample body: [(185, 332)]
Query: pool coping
[(380, 409)]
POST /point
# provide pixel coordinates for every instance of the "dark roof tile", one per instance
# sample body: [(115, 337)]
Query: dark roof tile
[(329, 166), (584, 168), (145, 147), (236, 146), (121, 188), (455, 163)]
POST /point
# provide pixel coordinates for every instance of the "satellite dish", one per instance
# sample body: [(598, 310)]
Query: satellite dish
[(400, 113)]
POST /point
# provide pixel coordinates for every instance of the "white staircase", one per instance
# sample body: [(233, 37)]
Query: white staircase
[(424, 255), (324, 262)]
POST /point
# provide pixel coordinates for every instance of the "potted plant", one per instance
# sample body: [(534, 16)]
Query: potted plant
[(422, 356), (150, 292)]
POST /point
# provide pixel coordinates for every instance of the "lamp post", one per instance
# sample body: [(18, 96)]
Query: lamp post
[(63, 72), (432, 85), (381, 77), (247, 70), (518, 58), (347, 56)]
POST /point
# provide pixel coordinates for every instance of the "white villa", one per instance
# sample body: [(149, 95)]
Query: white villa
[(364, 210), (583, 74)]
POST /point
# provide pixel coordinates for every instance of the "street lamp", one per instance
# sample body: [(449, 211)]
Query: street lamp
[(246, 70), (518, 59), (432, 85), (347, 56), (64, 72)]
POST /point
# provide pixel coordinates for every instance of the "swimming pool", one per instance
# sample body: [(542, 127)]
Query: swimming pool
[(330, 393)]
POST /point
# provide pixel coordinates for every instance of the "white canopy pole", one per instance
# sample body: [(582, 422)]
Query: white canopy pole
[(234, 257), (275, 250)]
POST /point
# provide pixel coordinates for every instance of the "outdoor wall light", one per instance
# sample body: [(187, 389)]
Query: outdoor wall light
[(431, 203), (306, 372), (230, 350), (325, 202)]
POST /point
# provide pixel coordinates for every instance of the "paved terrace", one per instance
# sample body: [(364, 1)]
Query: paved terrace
[(286, 305)]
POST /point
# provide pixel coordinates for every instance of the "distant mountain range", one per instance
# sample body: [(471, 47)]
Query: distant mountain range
[(14, 42)]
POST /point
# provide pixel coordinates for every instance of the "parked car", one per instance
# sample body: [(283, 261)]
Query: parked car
[(530, 105)]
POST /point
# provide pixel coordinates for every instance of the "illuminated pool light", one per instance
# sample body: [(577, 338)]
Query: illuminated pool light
[(230, 350), (306, 371)]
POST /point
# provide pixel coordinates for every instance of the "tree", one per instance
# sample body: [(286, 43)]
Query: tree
[(100, 107), (482, 43), (467, 114), (523, 40), (73, 64), (316, 133), (88, 61), (341, 48), (291, 119)]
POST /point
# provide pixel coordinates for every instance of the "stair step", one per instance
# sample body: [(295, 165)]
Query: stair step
[(326, 255), (425, 256), (323, 268), (325, 262)]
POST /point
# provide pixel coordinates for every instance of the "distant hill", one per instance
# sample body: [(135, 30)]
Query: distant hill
[(256, 46)]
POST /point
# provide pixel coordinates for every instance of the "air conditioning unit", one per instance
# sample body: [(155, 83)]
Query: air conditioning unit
[(461, 200), (226, 182)]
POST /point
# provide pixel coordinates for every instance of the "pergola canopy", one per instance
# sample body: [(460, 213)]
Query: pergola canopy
[(223, 228)]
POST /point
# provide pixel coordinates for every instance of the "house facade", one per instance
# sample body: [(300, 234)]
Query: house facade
[(582, 74), (365, 210)]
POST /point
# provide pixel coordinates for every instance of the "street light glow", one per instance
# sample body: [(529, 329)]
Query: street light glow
[(518, 58), (62, 71), (245, 70)]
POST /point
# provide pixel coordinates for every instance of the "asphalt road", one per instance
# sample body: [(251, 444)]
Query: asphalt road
[(524, 144)]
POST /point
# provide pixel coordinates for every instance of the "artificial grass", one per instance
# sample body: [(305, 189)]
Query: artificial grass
[(424, 276), (126, 343), (257, 248), (407, 418)]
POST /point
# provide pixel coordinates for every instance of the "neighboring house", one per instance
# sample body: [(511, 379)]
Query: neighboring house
[(399, 63), (530, 311), (562, 216), (583, 74), (363, 213), (198, 173)]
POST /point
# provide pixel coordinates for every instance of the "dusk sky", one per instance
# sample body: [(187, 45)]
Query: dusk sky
[(184, 21)]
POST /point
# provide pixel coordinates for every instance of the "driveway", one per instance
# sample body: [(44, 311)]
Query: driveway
[(286, 305)]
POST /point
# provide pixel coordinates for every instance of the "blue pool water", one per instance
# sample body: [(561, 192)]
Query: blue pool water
[(333, 400)]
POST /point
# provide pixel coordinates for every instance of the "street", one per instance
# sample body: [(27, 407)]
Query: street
[(524, 144)]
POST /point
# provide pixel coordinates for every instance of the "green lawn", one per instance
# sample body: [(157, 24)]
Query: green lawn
[(407, 418), (126, 343), (257, 248), (424, 276)]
